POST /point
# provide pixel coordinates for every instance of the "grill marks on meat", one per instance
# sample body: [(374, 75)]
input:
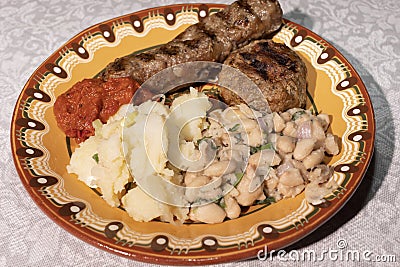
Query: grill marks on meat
[(277, 70), (210, 40), (213, 39)]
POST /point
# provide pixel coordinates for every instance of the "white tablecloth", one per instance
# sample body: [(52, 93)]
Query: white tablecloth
[(365, 31)]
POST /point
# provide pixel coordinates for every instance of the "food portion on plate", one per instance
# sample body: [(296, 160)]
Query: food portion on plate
[(236, 163), (89, 100), (277, 70), (179, 158), (212, 39)]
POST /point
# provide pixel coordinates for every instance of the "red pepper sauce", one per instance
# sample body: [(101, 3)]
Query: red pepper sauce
[(91, 99)]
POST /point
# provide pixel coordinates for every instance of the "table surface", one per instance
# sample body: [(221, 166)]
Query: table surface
[(365, 31)]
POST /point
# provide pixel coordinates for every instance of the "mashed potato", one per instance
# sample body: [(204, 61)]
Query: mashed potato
[(101, 163)]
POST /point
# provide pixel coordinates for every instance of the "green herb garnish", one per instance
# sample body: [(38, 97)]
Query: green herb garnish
[(234, 128), (239, 177), (298, 114), (222, 203), (202, 139), (254, 150), (266, 201), (96, 157), (213, 146)]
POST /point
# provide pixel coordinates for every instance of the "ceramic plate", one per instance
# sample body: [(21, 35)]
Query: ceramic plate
[(41, 150)]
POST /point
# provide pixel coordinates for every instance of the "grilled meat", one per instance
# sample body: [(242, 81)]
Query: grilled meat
[(276, 69), (210, 40)]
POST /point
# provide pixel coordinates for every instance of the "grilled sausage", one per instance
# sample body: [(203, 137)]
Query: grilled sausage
[(209, 40)]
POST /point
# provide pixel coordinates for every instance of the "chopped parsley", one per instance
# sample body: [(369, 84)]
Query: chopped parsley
[(202, 139), (222, 203), (213, 146), (254, 150), (298, 114), (239, 177), (234, 128), (95, 157), (266, 201)]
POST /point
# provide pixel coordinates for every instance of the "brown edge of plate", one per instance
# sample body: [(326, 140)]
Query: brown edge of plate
[(136, 253)]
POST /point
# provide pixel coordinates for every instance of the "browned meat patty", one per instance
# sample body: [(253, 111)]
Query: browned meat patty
[(210, 40), (276, 69)]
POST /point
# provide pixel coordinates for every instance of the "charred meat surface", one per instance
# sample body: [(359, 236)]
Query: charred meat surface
[(209, 40), (276, 69), (88, 100)]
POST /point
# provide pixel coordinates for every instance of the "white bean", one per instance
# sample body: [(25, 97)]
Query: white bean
[(286, 116), (248, 125), (315, 192), (232, 208), (290, 191), (199, 181), (300, 166), (313, 159), (288, 156), (317, 131), (210, 213), (325, 120), (276, 160), (218, 168), (303, 148), (239, 112), (320, 174), (291, 177), (266, 157), (245, 197), (285, 144), (331, 144), (271, 181), (302, 118), (255, 137), (290, 129), (246, 110), (230, 115), (234, 192), (190, 177), (279, 123)]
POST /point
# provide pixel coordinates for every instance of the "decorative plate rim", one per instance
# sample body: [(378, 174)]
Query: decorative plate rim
[(137, 253)]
